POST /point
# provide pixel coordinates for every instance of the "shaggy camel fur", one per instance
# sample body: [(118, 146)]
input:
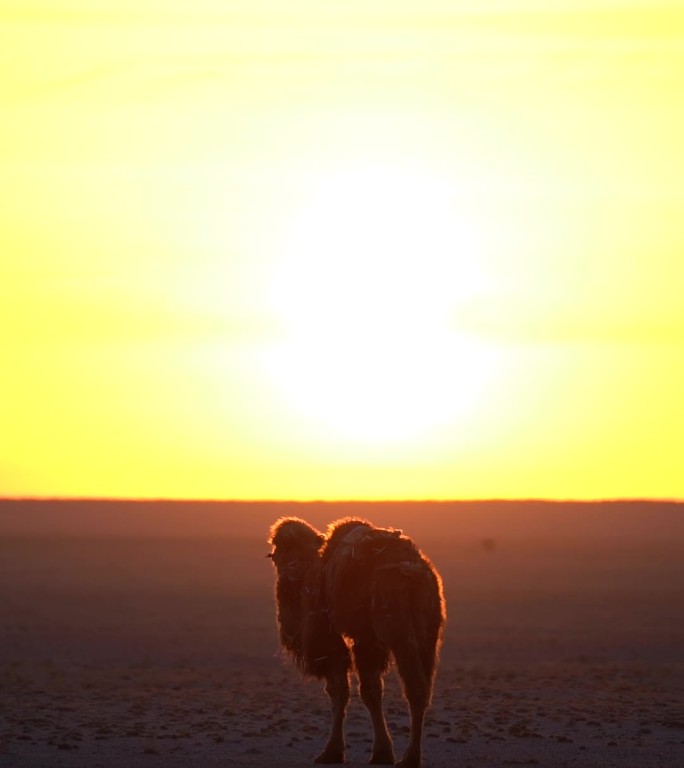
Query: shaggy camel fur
[(359, 597)]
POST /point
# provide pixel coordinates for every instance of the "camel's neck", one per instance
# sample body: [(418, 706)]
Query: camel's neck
[(296, 594)]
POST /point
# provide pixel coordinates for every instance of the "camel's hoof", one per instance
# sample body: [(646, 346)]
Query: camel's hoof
[(408, 762), (382, 757), (330, 757)]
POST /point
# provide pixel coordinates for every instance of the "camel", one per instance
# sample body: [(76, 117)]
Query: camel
[(359, 598)]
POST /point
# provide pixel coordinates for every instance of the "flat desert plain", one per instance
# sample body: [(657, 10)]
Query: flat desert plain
[(144, 635)]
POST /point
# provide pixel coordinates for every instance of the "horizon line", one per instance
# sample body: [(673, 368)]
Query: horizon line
[(467, 500)]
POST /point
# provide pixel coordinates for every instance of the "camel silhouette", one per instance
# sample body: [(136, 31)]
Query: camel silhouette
[(359, 598)]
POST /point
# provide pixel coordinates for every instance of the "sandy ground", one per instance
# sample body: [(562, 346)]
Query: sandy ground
[(163, 652)]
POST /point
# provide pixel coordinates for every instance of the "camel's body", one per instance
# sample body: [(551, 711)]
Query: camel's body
[(363, 597)]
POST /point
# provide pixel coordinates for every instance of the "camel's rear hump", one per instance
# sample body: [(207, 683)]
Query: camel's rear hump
[(377, 578), (408, 611)]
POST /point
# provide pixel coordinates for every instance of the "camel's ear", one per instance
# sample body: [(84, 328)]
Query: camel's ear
[(270, 554)]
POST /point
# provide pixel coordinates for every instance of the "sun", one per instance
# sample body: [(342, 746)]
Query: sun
[(373, 265)]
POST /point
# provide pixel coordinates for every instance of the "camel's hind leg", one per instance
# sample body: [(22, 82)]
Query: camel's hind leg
[(371, 661), (408, 618), (417, 683)]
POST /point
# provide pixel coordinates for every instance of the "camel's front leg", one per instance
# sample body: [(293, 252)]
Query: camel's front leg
[(337, 687)]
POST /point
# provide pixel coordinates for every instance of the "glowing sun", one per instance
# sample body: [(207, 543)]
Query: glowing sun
[(373, 266)]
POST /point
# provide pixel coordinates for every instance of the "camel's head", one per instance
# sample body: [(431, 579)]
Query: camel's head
[(295, 543)]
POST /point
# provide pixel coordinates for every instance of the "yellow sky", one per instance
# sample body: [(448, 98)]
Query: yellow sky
[(341, 250)]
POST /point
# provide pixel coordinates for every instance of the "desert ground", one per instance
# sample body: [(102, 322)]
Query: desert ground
[(145, 636)]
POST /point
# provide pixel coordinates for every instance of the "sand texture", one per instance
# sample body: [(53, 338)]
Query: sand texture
[(161, 650)]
